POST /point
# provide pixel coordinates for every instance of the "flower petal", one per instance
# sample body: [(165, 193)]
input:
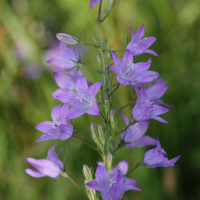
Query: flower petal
[(121, 166), (94, 185), (114, 69), (151, 52), (116, 60), (57, 92), (126, 119), (95, 87), (66, 131), (81, 85), (139, 34), (94, 110), (126, 61), (67, 52), (74, 113), (34, 173), (62, 62), (55, 113), (44, 126), (64, 111), (47, 137)]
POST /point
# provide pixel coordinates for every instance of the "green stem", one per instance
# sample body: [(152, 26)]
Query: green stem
[(66, 175), (113, 91), (87, 144), (121, 144), (94, 45), (103, 116), (127, 104), (136, 166), (83, 65), (122, 130)]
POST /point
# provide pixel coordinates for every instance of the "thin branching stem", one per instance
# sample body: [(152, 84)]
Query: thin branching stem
[(113, 90), (122, 130)]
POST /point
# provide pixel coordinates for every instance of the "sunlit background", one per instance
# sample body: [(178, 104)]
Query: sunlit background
[(27, 41)]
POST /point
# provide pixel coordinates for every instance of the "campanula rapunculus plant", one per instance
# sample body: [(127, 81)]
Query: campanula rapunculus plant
[(76, 91), (138, 44), (110, 187), (158, 157), (60, 128), (51, 166)]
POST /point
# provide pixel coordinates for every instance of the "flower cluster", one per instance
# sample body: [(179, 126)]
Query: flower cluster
[(81, 95)]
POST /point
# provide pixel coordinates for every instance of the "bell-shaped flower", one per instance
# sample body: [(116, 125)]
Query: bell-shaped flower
[(110, 188), (66, 61), (138, 45), (84, 101), (51, 166), (157, 90), (145, 77), (133, 136), (66, 81), (128, 72), (123, 168), (145, 110), (59, 128), (93, 2), (158, 157), (67, 39)]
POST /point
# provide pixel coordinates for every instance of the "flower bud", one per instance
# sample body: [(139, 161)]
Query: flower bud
[(93, 129), (94, 39), (113, 119), (108, 55), (105, 42), (98, 60), (101, 134), (107, 103), (109, 162), (68, 39), (87, 173)]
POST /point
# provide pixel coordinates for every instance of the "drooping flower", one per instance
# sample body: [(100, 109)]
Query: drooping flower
[(157, 90), (67, 81), (93, 2), (128, 72), (59, 128), (145, 77), (138, 45), (66, 61), (123, 168), (133, 136), (51, 166), (110, 188), (67, 39), (145, 110), (84, 101), (158, 157)]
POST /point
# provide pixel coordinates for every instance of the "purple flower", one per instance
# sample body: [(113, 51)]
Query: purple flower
[(110, 188), (93, 2), (59, 128), (157, 90), (133, 136), (66, 61), (145, 77), (144, 110), (123, 168), (51, 166), (66, 81), (128, 72), (68, 39), (84, 101), (137, 45), (158, 157)]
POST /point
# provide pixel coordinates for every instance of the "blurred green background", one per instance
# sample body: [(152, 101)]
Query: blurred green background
[(27, 32)]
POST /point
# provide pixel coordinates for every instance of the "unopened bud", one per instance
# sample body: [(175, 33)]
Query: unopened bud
[(109, 162), (107, 103), (104, 13), (105, 42), (68, 39), (101, 134), (98, 60), (113, 119), (93, 129), (108, 54), (94, 39), (87, 173)]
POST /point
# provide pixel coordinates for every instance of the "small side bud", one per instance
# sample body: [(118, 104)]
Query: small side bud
[(87, 173), (109, 162), (108, 55), (98, 60), (101, 134), (105, 42), (94, 39), (107, 103), (93, 129), (113, 119), (104, 13), (68, 39)]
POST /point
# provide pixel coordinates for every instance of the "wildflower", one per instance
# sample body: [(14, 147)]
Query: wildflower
[(68, 39), (145, 110), (59, 128), (133, 135), (51, 166), (93, 2), (110, 188), (84, 101), (123, 168), (138, 45), (66, 61), (128, 72), (158, 157), (157, 90)]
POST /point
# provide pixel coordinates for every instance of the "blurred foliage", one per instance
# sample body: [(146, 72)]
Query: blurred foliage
[(27, 31)]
